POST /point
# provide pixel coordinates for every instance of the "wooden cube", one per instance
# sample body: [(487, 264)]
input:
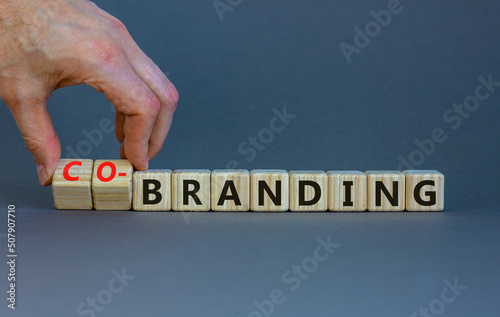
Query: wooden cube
[(386, 190), (308, 190), (71, 184), (112, 184), (152, 190), (269, 190), (230, 190), (191, 190), (424, 190), (346, 191)]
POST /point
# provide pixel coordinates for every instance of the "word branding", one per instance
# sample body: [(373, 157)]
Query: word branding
[(113, 185)]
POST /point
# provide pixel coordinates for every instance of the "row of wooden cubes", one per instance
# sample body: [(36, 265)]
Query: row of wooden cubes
[(113, 185)]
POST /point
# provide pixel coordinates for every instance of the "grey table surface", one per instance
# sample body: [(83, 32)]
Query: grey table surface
[(234, 74)]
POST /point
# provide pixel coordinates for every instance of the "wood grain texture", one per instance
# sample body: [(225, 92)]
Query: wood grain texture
[(235, 185), (309, 193), (271, 178), (424, 190), (198, 200), (346, 191), (377, 199), (112, 185), (158, 201), (73, 194)]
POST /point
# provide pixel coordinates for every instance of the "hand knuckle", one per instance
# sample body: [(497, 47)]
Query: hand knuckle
[(117, 25), (33, 144), (106, 51), (174, 95), (153, 104), (171, 95)]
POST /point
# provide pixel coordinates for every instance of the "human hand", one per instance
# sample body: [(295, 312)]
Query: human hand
[(50, 44)]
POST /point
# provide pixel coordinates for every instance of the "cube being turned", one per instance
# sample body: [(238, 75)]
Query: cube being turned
[(269, 190), (308, 191), (71, 184), (191, 190), (112, 185), (230, 190), (424, 190), (385, 190), (346, 191), (152, 190)]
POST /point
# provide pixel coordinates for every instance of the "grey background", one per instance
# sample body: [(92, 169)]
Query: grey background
[(362, 115)]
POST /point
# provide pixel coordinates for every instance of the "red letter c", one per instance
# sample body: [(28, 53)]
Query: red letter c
[(66, 171)]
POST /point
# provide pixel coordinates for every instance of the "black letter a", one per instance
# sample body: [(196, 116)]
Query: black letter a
[(225, 196)]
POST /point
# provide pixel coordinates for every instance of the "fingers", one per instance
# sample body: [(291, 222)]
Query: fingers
[(153, 78), (156, 80), (119, 123), (137, 108), (35, 125)]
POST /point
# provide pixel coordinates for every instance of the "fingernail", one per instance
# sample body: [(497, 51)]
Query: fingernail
[(146, 162), (43, 176)]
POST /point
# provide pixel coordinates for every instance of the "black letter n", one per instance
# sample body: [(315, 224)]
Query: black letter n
[(380, 187), (276, 199)]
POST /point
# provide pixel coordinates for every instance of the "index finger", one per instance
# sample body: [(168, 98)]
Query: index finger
[(132, 97)]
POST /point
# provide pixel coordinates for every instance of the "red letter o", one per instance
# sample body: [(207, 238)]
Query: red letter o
[(110, 177)]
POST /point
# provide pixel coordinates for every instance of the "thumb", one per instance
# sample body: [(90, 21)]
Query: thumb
[(35, 125)]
